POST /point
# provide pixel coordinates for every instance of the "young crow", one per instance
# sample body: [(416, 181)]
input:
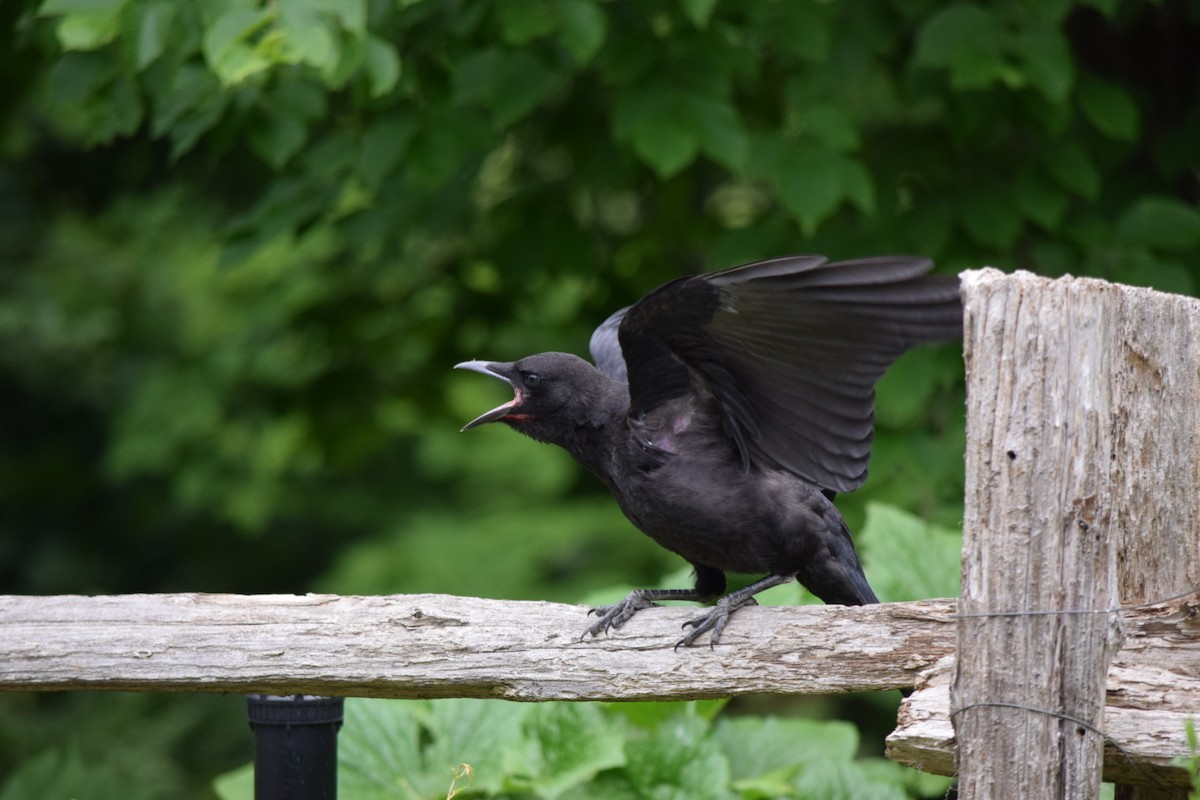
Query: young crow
[(726, 410)]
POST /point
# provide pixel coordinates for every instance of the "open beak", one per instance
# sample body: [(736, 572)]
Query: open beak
[(497, 370)]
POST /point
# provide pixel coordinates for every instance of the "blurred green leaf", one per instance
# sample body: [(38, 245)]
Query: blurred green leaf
[(1110, 109), (1038, 199), (809, 182), (1074, 169), (832, 126), (153, 31), (237, 784), (989, 217), (662, 139), (228, 46), (88, 30), (523, 21), (569, 744), (718, 129), (511, 83), (382, 66), (582, 27), (1161, 223), (965, 39), (698, 11), (1045, 55), (907, 558), (771, 746), (680, 761), (842, 780)]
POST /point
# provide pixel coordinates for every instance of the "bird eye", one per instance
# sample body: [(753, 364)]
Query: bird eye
[(532, 379)]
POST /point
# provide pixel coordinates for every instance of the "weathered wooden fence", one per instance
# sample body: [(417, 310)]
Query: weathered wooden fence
[(1073, 650)]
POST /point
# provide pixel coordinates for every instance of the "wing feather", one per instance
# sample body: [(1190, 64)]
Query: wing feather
[(790, 349)]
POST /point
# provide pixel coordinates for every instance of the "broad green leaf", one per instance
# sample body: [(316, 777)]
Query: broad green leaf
[(350, 14), (64, 772), (1074, 169), (1045, 56), (679, 761), (236, 784), (967, 40), (88, 30), (698, 11), (1110, 109), (858, 185), (382, 66), (194, 104), (988, 215), (929, 225), (568, 744), (809, 183), (582, 27), (383, 147), (93, 101), (650, 714), (803, 30), (379, 753), (227, 47), (845, 780), (153, 31), (523, 83), (761, 746), (55, 7), (483, 733), (666, 144), (445, 140), (523, 21), (1162, 223), (1038, 198), (277, 136), (511, 83), (308, 38), (649, 119), (905, 390), (392, 748), (907, 558), (718, 128), (830, 125)]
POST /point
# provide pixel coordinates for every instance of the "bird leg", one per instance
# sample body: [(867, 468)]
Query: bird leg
[(616, 615), (715, 619)]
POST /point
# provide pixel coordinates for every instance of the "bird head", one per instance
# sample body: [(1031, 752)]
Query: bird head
[(552, 395)]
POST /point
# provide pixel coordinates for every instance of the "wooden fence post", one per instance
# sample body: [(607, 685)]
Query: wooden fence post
[(1083, 451)]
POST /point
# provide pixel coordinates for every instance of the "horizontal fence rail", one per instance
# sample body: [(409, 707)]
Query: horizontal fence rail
[(428, 646)]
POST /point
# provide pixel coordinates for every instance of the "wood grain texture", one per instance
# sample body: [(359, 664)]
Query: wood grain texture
[(444, 646), (1081, 456), (1152, 689)]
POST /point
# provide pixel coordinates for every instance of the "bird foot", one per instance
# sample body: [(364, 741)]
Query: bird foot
[(616, 615), (714, 621)]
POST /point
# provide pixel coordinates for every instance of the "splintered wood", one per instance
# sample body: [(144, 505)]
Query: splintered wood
[(1083, 451)]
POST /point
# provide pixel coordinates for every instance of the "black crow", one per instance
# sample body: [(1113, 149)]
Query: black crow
[(726, 410)]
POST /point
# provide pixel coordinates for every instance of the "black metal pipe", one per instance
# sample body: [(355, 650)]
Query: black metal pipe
[(295, 746)]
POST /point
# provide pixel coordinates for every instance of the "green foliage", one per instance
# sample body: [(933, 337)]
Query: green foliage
[(907, 558), (416, 750), (1192, 761), (242, 242)]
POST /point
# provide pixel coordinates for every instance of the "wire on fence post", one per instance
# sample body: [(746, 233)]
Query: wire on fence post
[(295, 746)]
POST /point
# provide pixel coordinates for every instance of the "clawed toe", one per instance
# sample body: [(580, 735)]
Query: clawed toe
[(616, 615), (715, 621)]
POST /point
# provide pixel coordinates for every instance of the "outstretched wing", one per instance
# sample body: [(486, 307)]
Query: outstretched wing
[(790, 349), (606, 349)]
